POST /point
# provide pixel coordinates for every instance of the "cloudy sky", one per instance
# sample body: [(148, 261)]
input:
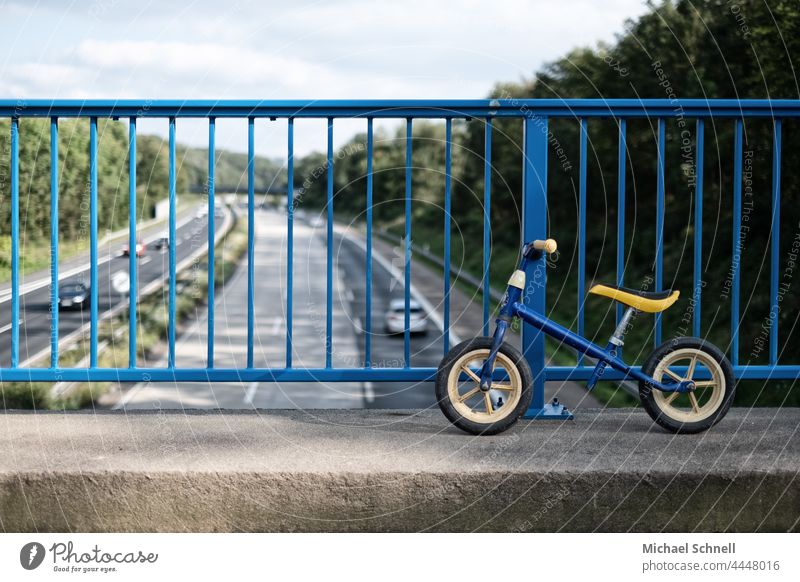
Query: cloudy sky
[(299, 49)]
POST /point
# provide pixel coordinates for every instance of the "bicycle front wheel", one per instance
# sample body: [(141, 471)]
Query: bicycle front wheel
[(463, 402)]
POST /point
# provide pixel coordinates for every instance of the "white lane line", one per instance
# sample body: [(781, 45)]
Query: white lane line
[(369, 392), (357, 325), (128, 396), (277, 323), (145, 260), (8, 326), (251, 393)]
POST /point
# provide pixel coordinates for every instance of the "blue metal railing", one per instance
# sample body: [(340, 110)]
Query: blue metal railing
[(534, 116)]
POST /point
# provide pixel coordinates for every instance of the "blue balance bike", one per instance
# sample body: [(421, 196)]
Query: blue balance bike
[(483, 385)]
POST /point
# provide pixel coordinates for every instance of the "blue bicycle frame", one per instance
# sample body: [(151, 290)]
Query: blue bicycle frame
[(513, 306)]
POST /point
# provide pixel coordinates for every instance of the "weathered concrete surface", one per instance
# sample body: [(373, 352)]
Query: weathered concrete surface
[(393, 471)]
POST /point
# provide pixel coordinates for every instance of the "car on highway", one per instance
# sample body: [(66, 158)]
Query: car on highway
[(73, 296), (161, 243), (140, 249), (396, 319)]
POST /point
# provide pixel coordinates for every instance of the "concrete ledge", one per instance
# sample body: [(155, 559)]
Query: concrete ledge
[(393, 471)]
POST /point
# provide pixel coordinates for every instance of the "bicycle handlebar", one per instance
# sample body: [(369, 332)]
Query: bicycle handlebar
[(549, 246)]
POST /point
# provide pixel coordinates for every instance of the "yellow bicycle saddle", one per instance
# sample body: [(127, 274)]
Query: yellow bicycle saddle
[(649, 302)]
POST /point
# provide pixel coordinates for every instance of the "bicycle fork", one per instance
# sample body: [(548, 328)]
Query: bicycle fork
[(503, 322)]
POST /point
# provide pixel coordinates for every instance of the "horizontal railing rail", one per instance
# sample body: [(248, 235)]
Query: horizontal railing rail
[(421, 108), (534, 115)]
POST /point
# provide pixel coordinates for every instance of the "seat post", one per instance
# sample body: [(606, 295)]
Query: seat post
[(617, 338), (614, 343)]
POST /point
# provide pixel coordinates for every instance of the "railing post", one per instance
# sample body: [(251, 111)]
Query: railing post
[(534, 226)]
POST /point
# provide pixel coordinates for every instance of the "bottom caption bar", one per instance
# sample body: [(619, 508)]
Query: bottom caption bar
[(355, 557)]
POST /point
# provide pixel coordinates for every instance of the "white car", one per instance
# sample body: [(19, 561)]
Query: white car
[(396, 319)]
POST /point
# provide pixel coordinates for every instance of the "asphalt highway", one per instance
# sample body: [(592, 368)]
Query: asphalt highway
[(35, 312)]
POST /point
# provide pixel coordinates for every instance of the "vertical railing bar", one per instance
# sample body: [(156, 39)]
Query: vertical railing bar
[(407, 258), (289, 237), (698, 226), (534, 226), (775, 242), (368, 297), (251, 237), (448, 168), (621, 187), (93, 215), (172, 246), (736, 255), (662, 132), (329, 265), (212, 163), (132, 283), (582, 231), (54, 242), (487, 220), (14, 242)]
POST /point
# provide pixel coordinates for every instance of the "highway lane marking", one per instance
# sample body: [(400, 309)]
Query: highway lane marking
[(8, 326), (277, 322), (128, 396), (145, 260), (251, 393), (369, 392)]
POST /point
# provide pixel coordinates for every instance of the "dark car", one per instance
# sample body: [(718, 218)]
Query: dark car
[(161, 243), (73, 296)]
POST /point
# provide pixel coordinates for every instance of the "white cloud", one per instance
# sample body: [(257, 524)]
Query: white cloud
[(303, 50), (183, 61)]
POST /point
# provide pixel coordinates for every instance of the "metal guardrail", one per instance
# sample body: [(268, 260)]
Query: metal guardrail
[(534, 115)]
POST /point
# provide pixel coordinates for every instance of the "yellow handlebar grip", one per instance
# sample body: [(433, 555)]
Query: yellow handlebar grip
[(549, 246)]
